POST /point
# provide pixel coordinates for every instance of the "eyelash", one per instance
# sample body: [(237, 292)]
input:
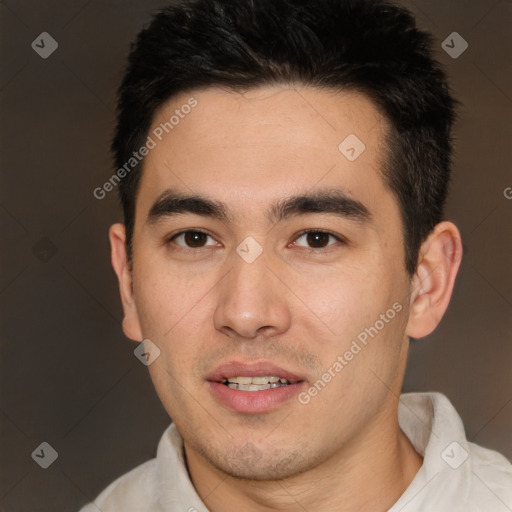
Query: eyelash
[(299, 235)]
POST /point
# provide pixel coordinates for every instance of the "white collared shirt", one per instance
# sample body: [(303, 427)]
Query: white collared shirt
[(456, 475)]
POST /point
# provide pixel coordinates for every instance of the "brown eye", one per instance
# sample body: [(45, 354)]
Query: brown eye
[(191, 239), (317, 239)]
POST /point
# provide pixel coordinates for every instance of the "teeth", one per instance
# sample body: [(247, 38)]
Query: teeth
[(254, 387), (241, 380), (260, 381)]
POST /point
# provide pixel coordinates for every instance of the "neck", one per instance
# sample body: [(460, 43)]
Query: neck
[(370, 474)]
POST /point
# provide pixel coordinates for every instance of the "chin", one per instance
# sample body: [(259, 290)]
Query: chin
[(248, 462)]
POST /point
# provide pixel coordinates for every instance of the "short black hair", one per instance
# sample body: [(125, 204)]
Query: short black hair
[(370, 46)]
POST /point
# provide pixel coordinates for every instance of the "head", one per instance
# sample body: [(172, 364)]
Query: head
[(291, 212)]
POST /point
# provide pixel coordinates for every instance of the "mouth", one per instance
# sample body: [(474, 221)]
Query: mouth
[(259, 383), (253, 387)]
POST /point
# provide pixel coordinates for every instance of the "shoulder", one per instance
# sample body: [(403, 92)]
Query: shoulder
[(132, 491), (456, 475), (491, 479), (160, 484)]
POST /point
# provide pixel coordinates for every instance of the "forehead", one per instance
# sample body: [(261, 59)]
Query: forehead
[(247, 149)]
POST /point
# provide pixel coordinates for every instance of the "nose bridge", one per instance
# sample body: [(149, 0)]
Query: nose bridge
[(249, 297)]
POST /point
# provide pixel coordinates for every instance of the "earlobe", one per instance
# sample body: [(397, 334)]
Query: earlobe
[(432, 285), (120, 263)]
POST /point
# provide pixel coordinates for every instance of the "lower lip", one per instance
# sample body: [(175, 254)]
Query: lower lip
[(253, 402)]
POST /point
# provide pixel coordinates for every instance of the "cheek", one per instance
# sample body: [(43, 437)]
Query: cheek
[(172, 308), (167, 298), (363, 316), (346, 301)]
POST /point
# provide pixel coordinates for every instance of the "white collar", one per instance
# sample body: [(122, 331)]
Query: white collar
[(456, 475)]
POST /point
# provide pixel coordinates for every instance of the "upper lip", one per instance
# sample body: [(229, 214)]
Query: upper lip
[(251, 369)]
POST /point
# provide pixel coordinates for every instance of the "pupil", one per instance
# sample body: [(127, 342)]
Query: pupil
[(194, 238), (317, 237)]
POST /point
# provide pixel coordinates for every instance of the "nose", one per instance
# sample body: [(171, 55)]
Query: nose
[(252, 301)]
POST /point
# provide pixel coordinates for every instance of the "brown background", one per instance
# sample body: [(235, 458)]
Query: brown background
[(68, 376)]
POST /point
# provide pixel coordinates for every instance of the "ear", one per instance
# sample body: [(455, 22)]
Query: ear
[(432, 285), (119, 257)]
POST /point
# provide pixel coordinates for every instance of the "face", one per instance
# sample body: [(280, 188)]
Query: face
[(258, 282)]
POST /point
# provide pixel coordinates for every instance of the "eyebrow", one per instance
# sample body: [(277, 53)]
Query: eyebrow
[(327, 201)]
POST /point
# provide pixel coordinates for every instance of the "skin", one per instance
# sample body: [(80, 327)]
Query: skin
[(295, 305)]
